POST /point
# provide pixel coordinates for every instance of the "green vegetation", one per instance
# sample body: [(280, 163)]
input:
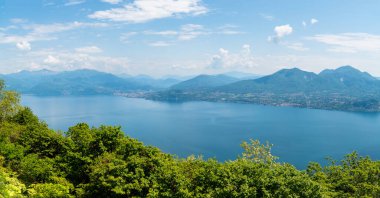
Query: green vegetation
[(36, 161)]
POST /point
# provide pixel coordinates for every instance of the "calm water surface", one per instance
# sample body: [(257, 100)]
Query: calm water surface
[(217, 129)]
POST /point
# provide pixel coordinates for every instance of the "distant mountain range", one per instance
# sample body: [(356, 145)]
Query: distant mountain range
[(345, 79), (161, 83), (79, 82), (204, 82), (91, 82), (345, 88)]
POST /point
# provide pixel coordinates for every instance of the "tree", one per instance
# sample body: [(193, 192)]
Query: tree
[(9, 103), (257, 152), (49, 190), (10, 186)]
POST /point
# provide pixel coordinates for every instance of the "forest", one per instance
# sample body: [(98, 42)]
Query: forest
[(85, 161)]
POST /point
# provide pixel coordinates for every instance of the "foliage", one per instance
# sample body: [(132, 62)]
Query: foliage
[(36, 161), (9, 102), (49, 190), (258, 152), (10, 186), (354, 176)]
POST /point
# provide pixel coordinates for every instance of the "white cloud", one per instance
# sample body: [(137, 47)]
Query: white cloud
[(283, 30), (228, 29), (6, 39), (280, 31), (349, 42), (61, 27), (191, 31), (24, 45), (140, 11), (3, 29), (162, 33), (89, 49), (313, 21), (226, 60), (51, 60), (191, 27), (42, 32), (267, 17), (160, 44), (18, 20), (112, 1), (341, 50), (125, 37), (230, 32), (296, 46), (74, 2), (62, 60)]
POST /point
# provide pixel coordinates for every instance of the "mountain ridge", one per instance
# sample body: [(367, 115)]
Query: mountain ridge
[(204, 81), (76, 82), (344, 88), (297, 80)]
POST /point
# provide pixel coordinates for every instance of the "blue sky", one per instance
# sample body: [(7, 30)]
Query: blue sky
[(187, 37)]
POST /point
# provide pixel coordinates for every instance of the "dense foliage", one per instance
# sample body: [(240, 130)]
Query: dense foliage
[(36, 161)]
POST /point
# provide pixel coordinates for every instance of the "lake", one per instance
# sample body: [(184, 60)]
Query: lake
[(218, 129)]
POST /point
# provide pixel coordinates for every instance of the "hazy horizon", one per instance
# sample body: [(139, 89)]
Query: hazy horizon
[(180, 76)]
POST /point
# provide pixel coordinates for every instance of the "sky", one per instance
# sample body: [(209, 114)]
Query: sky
[(189, 37)]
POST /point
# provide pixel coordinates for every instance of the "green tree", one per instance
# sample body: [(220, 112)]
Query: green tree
[(354, 176), (257, 152), (34, 169), (9, 103), (10, 186), (49, 190)]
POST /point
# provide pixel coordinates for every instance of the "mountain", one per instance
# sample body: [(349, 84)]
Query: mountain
[(343, 79), (160, 83), (347, 72), (286, 80), (179, 77), (344, 88), (78, 82), (350, 79), (202, 82), (24, 80)]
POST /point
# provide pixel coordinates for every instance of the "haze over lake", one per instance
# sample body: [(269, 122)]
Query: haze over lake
[(217, 129)]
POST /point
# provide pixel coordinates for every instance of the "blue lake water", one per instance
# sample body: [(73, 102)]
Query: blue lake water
[(217, 129)]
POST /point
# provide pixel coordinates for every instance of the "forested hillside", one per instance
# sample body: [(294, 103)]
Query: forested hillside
[(36, 161)]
